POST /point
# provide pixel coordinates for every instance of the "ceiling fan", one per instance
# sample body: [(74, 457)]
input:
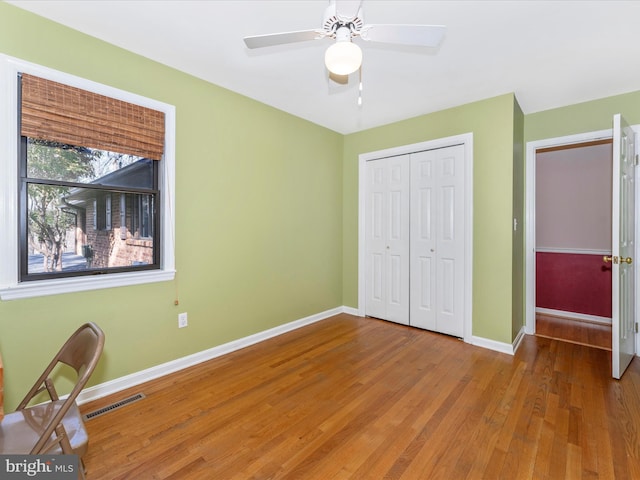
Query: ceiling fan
[(343, 21)]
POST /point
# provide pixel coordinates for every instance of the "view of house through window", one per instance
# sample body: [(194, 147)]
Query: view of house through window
[(86, 211), (86, 189)]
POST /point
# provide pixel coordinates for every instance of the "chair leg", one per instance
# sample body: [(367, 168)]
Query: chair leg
[(81, 470)]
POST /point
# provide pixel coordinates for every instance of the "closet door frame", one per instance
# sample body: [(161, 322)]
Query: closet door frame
[(463, 139)]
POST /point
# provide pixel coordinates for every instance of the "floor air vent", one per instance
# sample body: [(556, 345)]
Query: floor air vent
[(113, 406)]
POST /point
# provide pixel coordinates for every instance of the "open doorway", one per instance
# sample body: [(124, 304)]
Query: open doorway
[(568, 234), (625, 227), (573, 234)]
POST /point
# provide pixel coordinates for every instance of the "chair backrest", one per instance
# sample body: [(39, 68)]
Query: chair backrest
[(83, 349), (81, 352)]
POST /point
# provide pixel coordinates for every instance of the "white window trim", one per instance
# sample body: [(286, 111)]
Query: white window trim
[(10, 288)]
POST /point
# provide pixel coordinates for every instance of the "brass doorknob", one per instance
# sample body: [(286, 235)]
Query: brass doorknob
[(613, 259), (627, 260)]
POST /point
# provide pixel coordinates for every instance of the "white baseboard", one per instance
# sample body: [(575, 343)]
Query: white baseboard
[(579, 251), (351, 311), (518, 340), (574, 315), (137, 378), (492, 345), (508, 348)]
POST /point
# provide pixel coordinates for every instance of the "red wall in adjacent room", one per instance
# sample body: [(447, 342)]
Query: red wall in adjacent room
[(573, 282)]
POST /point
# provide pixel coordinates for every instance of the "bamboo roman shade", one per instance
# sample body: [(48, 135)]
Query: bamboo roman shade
[(60, 113)]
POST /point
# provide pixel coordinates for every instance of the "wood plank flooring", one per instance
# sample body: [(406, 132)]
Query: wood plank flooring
[(583, 333), (358, 398)]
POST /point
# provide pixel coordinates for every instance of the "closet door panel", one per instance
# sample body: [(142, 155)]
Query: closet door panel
[(423, 241), (387, 239), (397, 238), (375, 255), (437, 190), (450, 240)]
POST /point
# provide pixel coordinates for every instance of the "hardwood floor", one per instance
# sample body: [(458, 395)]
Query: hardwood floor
[(583, 333), (358, 398)]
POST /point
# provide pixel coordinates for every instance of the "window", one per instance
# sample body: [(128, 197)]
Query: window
[(94, 192), (123, 217), (63, 186), (143, 216), (107, 211), (101, 212)]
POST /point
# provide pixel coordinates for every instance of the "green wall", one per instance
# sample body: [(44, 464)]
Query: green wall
[(582, 117), (258, 220), (492, 123)]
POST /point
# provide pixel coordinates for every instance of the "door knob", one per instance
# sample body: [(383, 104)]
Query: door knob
[(613, 259), (627, 260)]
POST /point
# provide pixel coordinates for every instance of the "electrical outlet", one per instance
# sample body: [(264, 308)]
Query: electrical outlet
[(182, 320)]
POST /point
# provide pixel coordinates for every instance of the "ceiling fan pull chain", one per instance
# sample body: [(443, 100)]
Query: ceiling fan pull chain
[(360, 86)]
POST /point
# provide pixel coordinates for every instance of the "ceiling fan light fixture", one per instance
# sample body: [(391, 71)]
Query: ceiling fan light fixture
[(343, 57)]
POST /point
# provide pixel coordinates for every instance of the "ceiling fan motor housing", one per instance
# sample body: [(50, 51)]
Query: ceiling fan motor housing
[(332, 21)]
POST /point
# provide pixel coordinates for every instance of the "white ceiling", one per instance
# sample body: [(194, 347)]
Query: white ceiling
[(549, 53)]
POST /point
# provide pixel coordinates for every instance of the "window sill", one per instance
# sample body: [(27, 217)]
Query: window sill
[(81, 284)]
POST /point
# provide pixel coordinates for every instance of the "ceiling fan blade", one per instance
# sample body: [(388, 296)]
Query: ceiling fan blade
[(420, 35), (340, 79), (347, 10), (271, 39)]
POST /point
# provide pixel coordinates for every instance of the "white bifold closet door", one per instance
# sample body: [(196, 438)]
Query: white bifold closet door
[(387, 239), (437, 240), (415, 239)]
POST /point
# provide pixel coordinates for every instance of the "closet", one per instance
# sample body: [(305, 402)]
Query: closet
[(415, 239)]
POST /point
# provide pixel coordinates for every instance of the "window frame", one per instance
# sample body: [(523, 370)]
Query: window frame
[(10, 286)]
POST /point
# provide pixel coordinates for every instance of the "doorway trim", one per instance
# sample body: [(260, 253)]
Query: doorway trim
[(530, 216), (465, 139)]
